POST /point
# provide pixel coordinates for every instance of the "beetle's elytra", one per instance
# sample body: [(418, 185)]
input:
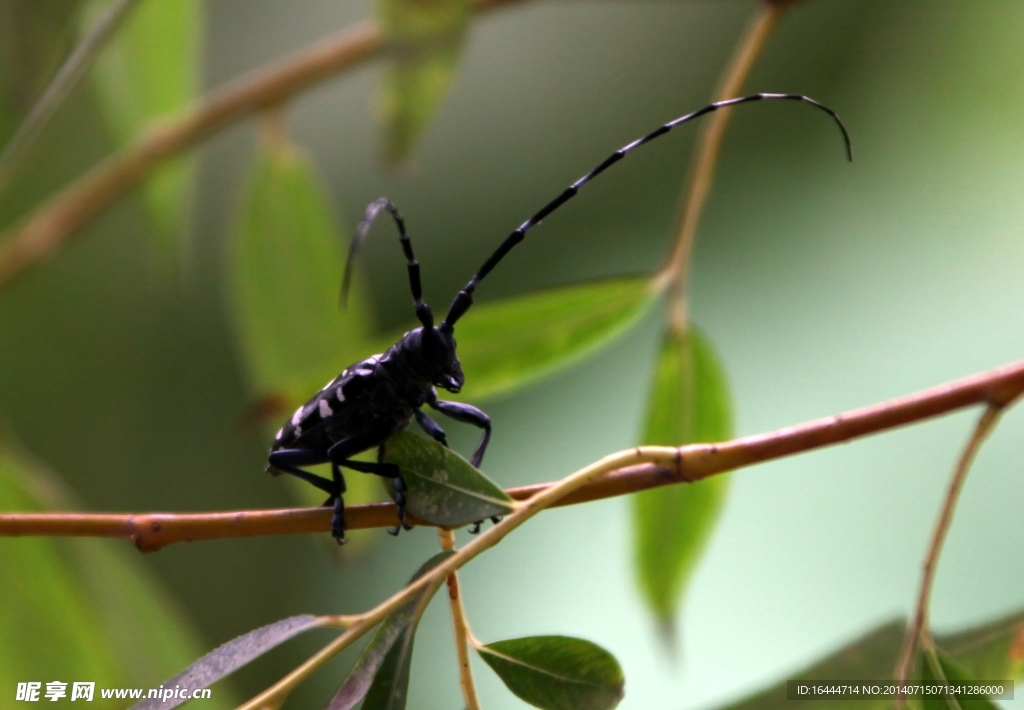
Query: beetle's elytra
[(372, 399)]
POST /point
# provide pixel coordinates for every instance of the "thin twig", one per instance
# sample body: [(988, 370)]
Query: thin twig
[(748, 49), (460, 627), (918, 629), (151, 531), (77, 205), (66, 79)]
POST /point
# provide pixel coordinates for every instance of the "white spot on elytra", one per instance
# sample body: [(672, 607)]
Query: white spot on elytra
[(340, 394), (297, 417), (325, 409), (298, 432), (279, 433)]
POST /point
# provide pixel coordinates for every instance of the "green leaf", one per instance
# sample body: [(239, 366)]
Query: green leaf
[(689, 402), (381, 674), (149, 71), (231, 656), (426, 40), (557, 672), (442, 487), (870, 657), (509, 343), (286, 264), (955, 672), (932, 672), (81, 608), (991, 652), (48, 623)]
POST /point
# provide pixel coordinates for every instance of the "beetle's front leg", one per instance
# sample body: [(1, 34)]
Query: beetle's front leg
[(431, 427), (470, 415)]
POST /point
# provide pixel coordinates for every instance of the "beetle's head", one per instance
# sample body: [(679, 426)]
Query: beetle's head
[(430, 352)]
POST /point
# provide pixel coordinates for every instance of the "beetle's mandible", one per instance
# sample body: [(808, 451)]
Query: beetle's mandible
[(376, 397)]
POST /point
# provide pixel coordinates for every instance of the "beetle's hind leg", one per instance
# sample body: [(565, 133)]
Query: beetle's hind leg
[(338, 519)]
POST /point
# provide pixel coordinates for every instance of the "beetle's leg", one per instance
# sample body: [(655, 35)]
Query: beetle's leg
[(470, 415), (338, 519), (341, 451), (289, 460), (431, 427)]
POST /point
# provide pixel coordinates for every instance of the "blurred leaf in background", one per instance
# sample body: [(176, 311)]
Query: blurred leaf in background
[(150, 70), (688, 402), (286, 264), (81, 608), (426, 42), (507, 344)]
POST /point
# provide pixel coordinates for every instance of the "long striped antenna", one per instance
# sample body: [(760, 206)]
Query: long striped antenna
[(464, 299)]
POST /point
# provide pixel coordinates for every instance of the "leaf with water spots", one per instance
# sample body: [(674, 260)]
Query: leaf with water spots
[(557, 672), (442, 487)]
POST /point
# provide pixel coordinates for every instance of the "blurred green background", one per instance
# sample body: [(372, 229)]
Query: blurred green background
[(824, 286)]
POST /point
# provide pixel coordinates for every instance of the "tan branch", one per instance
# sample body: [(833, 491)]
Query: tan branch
[(460, 627), (151, 531), (77, 205), (918, 629), (709, 144)]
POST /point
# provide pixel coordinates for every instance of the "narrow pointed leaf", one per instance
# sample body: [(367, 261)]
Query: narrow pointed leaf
[(427, 38), (150, 71), (81, 608), (557, 672), (228, 658), (509, 343), (286, 265), (688, 402), (390, 687), (381, 670), (443, 488)]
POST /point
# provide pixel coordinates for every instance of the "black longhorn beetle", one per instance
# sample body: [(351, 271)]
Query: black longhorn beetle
[(376, 397)]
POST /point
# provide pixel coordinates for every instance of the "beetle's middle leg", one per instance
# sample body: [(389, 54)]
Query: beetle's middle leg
[(341, 452)]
